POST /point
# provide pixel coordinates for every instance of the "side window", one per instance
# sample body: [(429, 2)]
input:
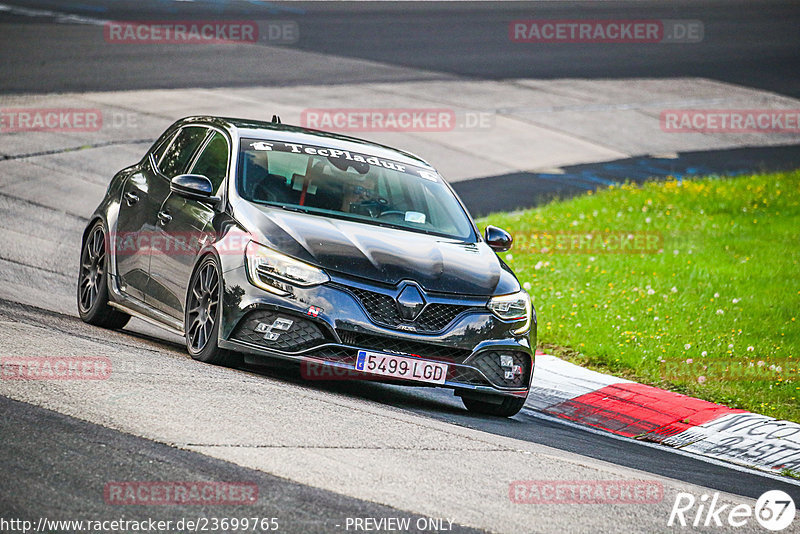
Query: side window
[(161, 146), (181, 150), (213, 161)]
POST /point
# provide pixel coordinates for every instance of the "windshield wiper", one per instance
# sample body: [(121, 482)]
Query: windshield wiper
[(297, 209)]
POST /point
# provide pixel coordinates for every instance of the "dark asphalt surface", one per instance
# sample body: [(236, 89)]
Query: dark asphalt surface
[(490, 194), (753, 44), (750, 43), (56, 466), (429, 402)]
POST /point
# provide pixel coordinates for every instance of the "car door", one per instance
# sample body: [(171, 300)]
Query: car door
[(138, 204), (183, 228), (174, 161)]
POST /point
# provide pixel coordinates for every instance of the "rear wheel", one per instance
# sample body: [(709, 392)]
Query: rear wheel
[(204, 314), (93, 305), (506, 408)]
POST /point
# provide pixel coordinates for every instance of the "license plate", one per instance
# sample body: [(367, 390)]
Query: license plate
[(379, 363)]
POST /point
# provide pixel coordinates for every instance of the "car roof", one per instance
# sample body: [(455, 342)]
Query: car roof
[(288, 133)]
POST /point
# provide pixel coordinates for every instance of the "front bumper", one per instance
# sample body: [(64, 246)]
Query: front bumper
[(330, 323)]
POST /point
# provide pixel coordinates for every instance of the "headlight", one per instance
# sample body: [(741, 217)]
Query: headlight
[(514, 307), (267, 267)]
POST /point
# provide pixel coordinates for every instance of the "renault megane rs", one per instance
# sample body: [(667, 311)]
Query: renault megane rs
[(262, 240)]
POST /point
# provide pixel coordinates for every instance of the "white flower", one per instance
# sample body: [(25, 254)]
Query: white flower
[(716, 295), (779, 368), (655, 318), (750, 348), (730, 346), (687, 346), (704, 353), (592, 258), (578, 325), (509, 257), (651, 292), (648, 220), (736, 300), (720, 312), (538, 266), (701, 379), (674, 289), (676, 252), (760, 363)]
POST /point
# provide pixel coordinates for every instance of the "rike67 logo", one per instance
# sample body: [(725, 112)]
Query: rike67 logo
[(774, 510)]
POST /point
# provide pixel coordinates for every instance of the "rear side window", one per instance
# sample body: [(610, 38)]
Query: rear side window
[(180, 152), (161, 146), (213, 161)]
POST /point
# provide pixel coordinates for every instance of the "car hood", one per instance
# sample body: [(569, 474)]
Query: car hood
[(380, 254)]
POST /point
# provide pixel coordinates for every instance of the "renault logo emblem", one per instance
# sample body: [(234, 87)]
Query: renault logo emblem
[(410, 302)]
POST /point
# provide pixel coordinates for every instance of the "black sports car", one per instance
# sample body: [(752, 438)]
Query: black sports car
[(261, 240)]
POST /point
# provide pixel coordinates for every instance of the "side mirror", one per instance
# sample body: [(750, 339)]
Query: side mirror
[(498, 239), (194, 186)]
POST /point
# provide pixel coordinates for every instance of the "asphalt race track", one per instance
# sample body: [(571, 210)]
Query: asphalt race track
[(753, 44), (319, 452)]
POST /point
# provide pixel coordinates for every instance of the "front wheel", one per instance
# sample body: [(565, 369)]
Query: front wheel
[(204, 315), (93, 305), (506, 408)]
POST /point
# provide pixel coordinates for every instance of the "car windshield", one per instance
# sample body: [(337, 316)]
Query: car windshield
[(349, 185)]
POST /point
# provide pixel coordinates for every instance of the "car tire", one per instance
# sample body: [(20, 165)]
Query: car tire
[(93, 307), (204, 315), (508, 407)]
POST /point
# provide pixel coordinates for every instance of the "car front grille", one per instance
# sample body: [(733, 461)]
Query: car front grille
[(301, 334), (382, 309), (489, 364), (465, 375), (316, 341), (331, 353), (404, 346)]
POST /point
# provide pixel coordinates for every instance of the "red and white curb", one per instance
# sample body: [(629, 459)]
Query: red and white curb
[(626, 408)]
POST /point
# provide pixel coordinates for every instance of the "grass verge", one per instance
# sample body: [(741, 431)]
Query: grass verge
[(691, 286)]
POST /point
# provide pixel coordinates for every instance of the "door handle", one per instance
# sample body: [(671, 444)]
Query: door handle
[(164, 217), (131, 198)]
